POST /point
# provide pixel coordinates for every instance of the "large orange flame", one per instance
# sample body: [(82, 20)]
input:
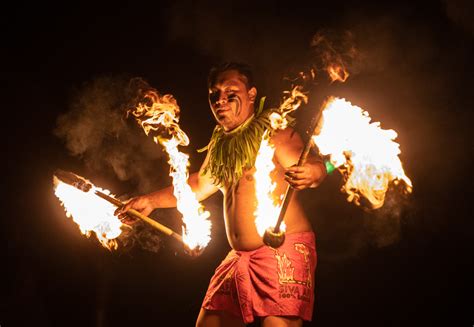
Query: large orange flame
[(364, 152), (268, 207), (158, 113), (91, 213)]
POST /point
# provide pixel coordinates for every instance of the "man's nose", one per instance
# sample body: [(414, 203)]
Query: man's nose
[(218, 98), (222, 100)]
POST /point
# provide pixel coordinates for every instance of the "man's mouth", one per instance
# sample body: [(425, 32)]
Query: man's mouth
[(221, 110)]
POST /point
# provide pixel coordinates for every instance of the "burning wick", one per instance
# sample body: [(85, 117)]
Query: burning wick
[(97, 216)]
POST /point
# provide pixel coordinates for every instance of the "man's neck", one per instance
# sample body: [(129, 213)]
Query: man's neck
[(241, 126)]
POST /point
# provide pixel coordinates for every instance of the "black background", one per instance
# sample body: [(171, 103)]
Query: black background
[(416, 77)]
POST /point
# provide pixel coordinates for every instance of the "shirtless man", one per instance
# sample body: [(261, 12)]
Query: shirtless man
[(252, 280)]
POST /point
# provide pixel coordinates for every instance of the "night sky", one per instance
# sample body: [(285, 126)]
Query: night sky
[(64, 72)]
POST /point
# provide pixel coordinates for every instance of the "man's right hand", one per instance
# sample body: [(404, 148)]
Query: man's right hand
[(142, 204)]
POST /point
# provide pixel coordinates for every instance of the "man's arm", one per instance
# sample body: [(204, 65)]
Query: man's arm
[(200, 183), (288, 149)]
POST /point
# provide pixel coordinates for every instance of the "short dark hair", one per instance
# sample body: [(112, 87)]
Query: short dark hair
[(243, 69)]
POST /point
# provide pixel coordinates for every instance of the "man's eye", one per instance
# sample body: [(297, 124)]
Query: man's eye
[(214, 97)]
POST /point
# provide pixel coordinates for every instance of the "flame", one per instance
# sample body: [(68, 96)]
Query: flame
[(337, 73), (268, 207), (291, 102), (334, 53), (196, 232), (161, 113), (268, 210), (90, 212), (364, 152)]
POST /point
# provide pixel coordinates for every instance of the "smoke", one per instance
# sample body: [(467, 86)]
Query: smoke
[(461, 12), (411, 76), (139, 235), (384, 225), (276, 41), (404, 75), (96, 130), (333, 48)]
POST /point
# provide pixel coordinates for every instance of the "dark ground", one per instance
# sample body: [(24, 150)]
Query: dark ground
[(408, 267)]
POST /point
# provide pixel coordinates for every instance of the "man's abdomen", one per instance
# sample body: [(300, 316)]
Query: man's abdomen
[(239, 209)]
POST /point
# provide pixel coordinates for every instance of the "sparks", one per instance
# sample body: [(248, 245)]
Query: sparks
[(364, 152)]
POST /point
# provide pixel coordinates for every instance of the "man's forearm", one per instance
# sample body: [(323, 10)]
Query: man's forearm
[(319, 170), (165, 198)]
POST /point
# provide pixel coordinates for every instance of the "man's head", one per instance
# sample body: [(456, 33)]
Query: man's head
[(231, 94)]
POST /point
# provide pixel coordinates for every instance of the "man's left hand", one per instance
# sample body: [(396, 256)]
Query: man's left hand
[(305, 176)]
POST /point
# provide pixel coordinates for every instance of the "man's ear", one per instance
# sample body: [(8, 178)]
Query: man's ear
[(252, 94)]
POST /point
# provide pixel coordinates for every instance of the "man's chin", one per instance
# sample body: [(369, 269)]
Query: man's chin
[(226, 124), (223, 119)]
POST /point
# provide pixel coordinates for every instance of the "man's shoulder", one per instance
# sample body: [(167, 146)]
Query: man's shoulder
[(283, 135)]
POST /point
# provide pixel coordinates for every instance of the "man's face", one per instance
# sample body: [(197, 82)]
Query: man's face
[(230, 100)]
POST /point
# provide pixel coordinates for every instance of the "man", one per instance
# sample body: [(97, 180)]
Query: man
[(254, 280)]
